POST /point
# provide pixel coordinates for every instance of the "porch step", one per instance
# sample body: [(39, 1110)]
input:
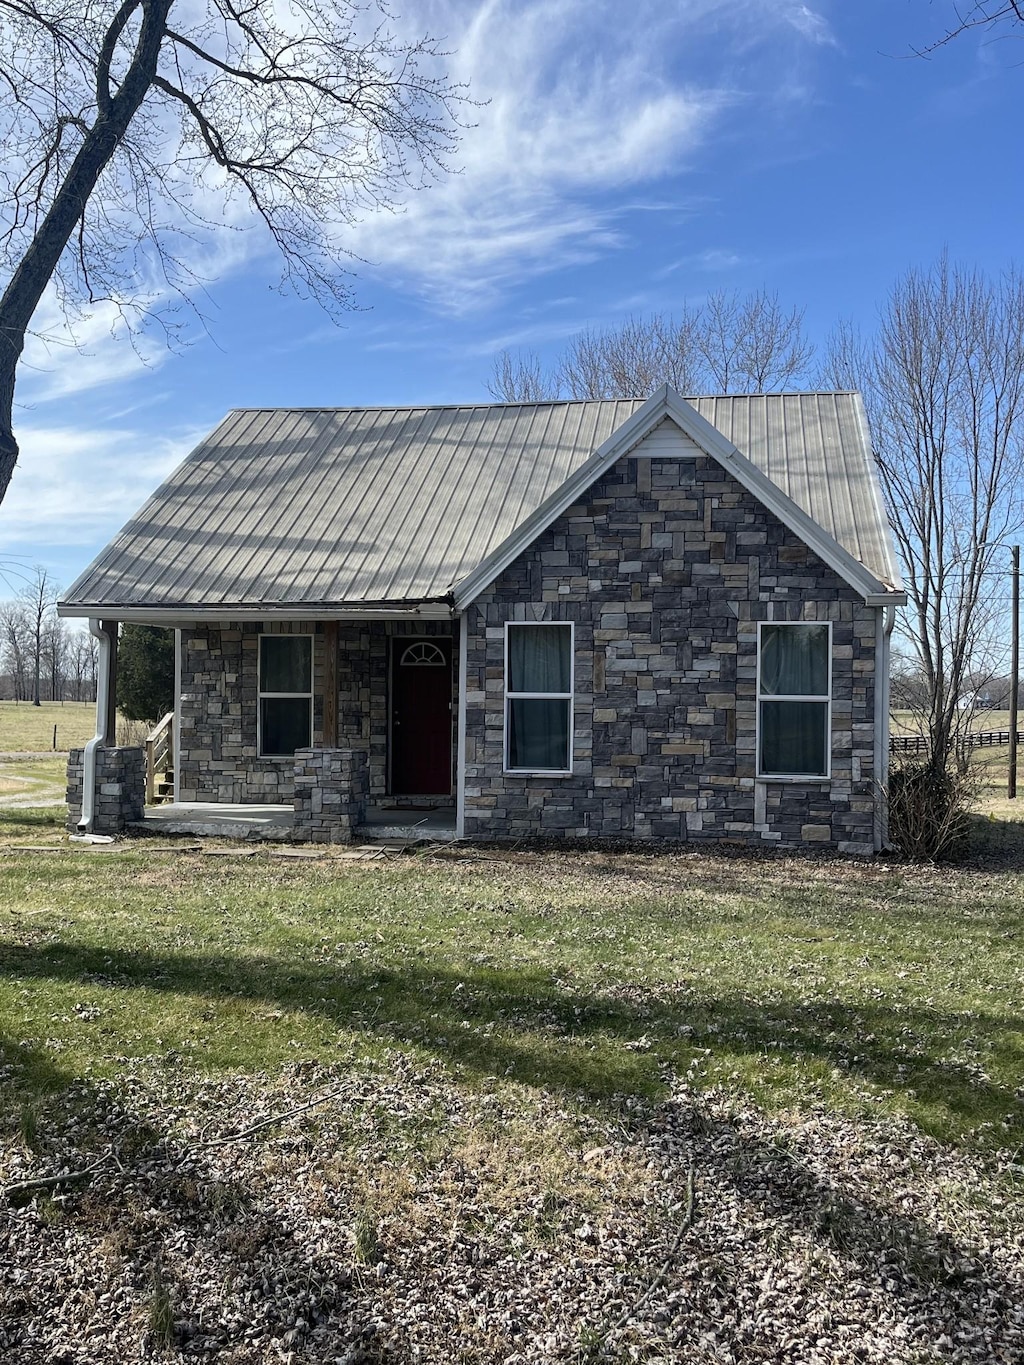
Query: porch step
[(409, 826), (164, 789), (403, 834)]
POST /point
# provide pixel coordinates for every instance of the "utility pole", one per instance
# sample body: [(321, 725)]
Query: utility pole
[(1011, 784)]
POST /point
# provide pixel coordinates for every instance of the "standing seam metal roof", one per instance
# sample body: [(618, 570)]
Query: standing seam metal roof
[(356, 506)]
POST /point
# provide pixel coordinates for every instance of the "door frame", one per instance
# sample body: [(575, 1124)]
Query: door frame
[(403, 641)]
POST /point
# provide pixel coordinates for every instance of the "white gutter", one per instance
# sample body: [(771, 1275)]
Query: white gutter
[(885, 619), (187, 616), (88, 815)]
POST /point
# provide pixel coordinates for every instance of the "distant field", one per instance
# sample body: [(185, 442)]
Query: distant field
[(28, 729), (25, 728)]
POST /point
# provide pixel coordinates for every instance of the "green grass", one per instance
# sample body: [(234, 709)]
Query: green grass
[(868, 989)]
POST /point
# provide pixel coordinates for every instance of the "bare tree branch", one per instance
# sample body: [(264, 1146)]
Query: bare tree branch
[(994, 16), (115, 121)]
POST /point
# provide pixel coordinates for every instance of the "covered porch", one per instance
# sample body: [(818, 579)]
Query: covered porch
[(323, 731)]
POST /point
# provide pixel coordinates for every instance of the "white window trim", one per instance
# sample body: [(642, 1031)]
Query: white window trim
[(569, 696), (261, 695), (802, 696)]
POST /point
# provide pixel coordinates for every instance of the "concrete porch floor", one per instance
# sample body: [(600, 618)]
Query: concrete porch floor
[(228, 820)]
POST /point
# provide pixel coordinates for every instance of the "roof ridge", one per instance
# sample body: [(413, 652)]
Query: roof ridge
[(538, 403)]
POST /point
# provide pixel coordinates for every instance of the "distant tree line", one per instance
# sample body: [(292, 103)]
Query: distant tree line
[(43, 658)]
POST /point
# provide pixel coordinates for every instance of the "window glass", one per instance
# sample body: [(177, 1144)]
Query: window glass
[(793, 737), (793, 701), (538, 725), (285, 664), (794, 660), (538, 733), (284, 724), (538, 658)]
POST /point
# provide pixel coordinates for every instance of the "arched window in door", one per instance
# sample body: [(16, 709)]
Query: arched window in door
[(423, 654)]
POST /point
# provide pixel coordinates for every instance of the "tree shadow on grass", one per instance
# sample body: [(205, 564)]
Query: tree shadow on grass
[(168, 1204), (522, 1023), (231, 1258)]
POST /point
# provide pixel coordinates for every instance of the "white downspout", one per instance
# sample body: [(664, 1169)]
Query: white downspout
[(885, 622), (88, 815)]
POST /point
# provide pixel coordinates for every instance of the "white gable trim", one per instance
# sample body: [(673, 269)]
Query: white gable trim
[(667, 403)]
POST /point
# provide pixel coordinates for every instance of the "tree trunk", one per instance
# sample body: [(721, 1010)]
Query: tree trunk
[(36, 268)]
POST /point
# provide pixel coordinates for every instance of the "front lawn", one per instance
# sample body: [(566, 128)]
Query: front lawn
[(484, 1107), (871, 989)]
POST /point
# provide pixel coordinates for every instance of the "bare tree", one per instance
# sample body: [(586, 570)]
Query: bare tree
[(944, 382), (14, 651), (731, 344), (993, 16), (127, 126), (55, 655), (520, 378), (82, 658), (38, 600)]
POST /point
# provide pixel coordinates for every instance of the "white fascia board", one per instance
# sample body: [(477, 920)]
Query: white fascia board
[(184, 616), (667, 403)]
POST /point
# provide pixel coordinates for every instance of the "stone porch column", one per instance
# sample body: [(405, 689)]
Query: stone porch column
[(106, 785)]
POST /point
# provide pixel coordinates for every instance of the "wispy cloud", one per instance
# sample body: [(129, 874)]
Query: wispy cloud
[(583, 113), (811, 24), (577, 107), (75, 487)]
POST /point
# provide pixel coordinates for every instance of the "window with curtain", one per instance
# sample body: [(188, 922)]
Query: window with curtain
[(538, 697), (794, 689), (285, 694)]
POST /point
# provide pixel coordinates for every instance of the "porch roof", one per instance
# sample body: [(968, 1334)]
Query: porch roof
[(390, 509)]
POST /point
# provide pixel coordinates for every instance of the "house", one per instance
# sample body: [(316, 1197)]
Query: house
[(654, 620)]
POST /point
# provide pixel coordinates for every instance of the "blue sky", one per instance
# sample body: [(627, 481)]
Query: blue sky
[(616, 168)]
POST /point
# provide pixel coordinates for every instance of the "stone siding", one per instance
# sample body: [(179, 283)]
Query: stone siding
[(331, 789), (218, 758), (666, 567), (120, 788), (217, 744)]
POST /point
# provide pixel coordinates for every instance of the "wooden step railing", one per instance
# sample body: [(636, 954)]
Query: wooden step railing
[(159, 753)]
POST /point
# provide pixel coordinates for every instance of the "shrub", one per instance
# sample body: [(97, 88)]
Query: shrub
[(928, 807)]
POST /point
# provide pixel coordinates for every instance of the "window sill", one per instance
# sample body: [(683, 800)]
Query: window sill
[(537, 772), (791, 778)]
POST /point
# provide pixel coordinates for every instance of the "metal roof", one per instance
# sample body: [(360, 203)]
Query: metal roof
[(375, 506)]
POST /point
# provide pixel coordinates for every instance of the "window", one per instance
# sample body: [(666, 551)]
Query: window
[(286, 694), (793, 699), (538, 698)]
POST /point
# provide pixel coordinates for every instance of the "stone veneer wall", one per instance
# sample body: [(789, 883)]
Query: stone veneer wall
[(217, 755), (217, 745), (331, 789), (120, 784), (666, 567)]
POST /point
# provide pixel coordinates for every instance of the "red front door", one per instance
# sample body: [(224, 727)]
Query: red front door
[(421, 717)]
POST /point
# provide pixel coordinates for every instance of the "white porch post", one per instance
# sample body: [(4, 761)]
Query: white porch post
[(106, 714), (460, 756)]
